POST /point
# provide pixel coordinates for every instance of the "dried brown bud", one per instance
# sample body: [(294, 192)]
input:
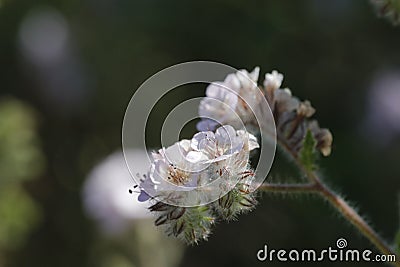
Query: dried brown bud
[(292, 120)]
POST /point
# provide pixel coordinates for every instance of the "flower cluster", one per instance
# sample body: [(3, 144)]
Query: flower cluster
[(182, 176), (292, 116), (179, 172)]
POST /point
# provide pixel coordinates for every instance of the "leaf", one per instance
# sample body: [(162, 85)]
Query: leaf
[(308, 153)]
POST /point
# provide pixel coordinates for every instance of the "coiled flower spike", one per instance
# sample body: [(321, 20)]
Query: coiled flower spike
[(225, 152)]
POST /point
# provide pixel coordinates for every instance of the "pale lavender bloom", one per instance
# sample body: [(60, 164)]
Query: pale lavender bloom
[(225, 103), (273, 80), (196, 162)]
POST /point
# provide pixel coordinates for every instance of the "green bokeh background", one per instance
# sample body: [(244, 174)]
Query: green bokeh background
[(329, 52)]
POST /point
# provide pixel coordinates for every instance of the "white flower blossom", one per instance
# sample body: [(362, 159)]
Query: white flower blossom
[(245, 107), (230, 102), (192, 163), (273, 80)]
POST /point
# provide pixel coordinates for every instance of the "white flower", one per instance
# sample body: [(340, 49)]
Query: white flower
[(105, 193), (192, 163), (273, 80), (230, 102), (172, 166)]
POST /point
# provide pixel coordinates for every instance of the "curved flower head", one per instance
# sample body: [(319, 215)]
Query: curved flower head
[(292, 116), (223, 155), (192, 164), (230, 102)]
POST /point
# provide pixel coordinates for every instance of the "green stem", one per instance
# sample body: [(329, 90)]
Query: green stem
[(315, 185), (352, 216), (340, 204)]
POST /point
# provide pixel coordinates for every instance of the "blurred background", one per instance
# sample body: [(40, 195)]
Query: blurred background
[(69, 68)]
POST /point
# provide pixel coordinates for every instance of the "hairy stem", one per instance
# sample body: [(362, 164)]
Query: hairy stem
[(339, 203), (352, 216), (315, 185)]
